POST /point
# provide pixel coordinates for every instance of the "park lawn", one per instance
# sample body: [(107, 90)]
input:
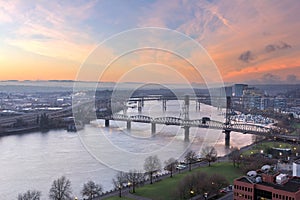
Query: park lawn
[(117, 198), (223, 168), (267, 145), (297, 126), (163, 190)]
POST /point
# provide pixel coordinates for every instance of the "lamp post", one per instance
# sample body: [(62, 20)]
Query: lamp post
[(205, 195), (129, 185), (192, 193)]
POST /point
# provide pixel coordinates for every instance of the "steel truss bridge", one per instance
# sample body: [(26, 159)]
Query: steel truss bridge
[(187, 123)]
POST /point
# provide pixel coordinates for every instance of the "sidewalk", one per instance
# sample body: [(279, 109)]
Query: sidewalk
[(133, 196)]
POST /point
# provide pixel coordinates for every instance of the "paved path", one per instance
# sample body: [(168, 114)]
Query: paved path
[(228, 196), (125, 191), (133, 196)]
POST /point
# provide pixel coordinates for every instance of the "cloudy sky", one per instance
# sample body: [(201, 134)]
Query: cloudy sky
[(249, 41)]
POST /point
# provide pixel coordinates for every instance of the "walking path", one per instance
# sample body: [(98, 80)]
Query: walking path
[(125, 191), (133, 196)]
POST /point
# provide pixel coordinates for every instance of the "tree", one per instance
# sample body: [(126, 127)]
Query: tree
[(91, 190), (61, 189), (118, 181), (30, 195), (170, 165), (193, 184), (190, 158), (235, 156), (210, 154), (134, 177), (217, 182), (199, 183), (152, 164)]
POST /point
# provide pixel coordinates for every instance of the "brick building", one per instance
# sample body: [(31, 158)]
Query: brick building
[(265, 185)]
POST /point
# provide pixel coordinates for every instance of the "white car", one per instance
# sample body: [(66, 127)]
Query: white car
[(180, 166)]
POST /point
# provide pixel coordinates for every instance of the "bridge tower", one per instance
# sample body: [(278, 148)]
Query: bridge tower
[(227, 121), (186, 116)]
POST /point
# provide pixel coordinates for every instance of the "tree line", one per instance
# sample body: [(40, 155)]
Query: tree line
[(61, 187)]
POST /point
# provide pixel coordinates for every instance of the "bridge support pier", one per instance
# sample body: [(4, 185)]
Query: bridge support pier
[(164, 105), (186, 133), (140, 105), (153, 128), (128, 125), (227, 138), (107, 123), (197, 105)]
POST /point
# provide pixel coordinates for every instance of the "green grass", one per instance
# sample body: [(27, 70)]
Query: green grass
[(164, 189), (297, 126), (117, 198), (267, 145)]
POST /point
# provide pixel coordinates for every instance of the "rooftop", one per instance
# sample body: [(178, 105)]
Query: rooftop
[(292, 185), (297, 161)]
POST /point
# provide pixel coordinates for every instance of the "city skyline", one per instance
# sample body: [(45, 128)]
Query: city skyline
[(250, 42)]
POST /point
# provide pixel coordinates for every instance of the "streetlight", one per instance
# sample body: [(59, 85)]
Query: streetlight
[(129, 185), (192, 193), (205, 195), (261, 151)]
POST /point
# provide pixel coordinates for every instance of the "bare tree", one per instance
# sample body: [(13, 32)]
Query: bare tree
[(210, 154), (134, 177), (235, 156), (61, 189), (91, 190), (190, 157), (192, 184), (170, 165), (217, 182), (152, 164), (30, 195), (199, 183), (118, 181)]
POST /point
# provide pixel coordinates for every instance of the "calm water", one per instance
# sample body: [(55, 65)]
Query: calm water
[(33, 161)]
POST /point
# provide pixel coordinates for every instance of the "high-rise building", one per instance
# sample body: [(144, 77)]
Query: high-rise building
[(238, 89)]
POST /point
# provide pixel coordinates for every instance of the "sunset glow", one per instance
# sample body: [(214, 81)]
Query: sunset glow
[(249, 41)]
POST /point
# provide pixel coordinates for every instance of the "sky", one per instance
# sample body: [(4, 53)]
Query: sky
[(248, 41)]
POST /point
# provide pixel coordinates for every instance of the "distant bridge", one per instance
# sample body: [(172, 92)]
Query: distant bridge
[(6, 124), (187, 123)]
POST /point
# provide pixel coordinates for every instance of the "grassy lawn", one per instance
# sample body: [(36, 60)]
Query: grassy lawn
[(266, 145), (163, 190), (117, 198), (297, 126)]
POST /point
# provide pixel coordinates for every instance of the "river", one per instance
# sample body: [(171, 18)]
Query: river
[(34, 160)]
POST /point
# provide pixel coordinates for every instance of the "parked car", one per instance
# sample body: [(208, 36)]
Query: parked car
[(180, 167)]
